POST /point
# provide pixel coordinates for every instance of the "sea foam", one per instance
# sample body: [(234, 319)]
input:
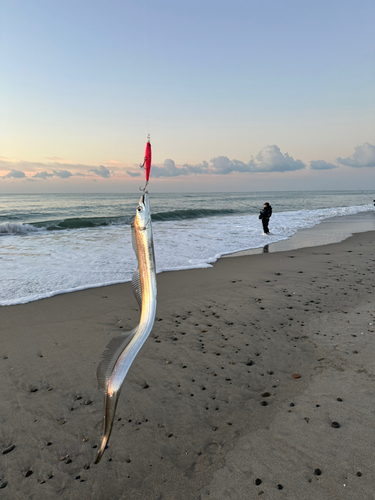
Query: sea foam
[(16, 228), (44, 263)]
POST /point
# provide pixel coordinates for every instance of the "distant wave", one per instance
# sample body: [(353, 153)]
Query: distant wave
[(192, 214), (8, 228), (79, 223), (91, 222)]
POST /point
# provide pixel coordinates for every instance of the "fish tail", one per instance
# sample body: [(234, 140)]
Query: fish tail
[(104, 373), (109, 415), (101, 449)]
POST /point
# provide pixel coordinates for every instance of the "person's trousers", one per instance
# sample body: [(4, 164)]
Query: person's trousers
[(265, 225)]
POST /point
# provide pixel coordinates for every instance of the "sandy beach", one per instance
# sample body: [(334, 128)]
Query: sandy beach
[(257, 381)]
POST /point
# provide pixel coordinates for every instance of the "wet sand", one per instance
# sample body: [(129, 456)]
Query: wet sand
[(257, 380)]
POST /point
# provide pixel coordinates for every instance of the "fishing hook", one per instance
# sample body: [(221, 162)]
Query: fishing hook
[(144, 188), (143, 166)]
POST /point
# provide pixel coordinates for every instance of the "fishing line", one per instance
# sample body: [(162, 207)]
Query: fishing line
[(145, 69), (368, 196)]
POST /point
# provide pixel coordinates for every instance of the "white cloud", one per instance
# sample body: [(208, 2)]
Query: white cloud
[(321, 165), (101, 172), (363, 156), (269, 159)]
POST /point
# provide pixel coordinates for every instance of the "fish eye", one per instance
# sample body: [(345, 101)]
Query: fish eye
[(139, 209)]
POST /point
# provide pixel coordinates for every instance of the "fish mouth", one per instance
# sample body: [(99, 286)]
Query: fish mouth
[(141, 203), (146, 202), (144, 206)]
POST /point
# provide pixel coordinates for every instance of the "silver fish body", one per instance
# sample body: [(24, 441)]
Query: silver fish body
[(122, 350)]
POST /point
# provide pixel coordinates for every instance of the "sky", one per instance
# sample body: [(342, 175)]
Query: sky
[(237, 95)]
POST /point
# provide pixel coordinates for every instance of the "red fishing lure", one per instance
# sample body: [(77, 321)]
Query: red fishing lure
[(147, 162)]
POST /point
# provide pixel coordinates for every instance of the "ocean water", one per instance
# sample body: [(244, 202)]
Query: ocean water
[(56, 243)]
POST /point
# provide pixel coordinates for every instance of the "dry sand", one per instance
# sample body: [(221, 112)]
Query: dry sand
[(210, 408)]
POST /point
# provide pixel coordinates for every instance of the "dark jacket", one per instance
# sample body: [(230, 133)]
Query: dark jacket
[(266, 212)]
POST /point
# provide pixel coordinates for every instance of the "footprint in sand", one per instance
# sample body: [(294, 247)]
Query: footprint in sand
[(212, 448)]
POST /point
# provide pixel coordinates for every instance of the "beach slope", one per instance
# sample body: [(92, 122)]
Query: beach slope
[(258, 379)]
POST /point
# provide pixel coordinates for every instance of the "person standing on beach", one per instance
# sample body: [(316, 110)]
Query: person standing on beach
[(265, 215)]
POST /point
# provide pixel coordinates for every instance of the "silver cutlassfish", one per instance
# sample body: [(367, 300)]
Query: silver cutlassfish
[(122, 350)]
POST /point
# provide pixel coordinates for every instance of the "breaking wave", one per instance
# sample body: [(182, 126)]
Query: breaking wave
[(16, 228), (192, 214), (92, 222)]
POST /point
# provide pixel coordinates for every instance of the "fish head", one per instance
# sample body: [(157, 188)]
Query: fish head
[(143, 213)]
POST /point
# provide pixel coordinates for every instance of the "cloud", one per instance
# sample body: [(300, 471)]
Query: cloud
[(201, 168), (133, 174), (269, 159), (63, 174), (55, 166), (101, 172), (222, 165), (168, 169), (14, 174), (42, 175), (363, 156), (321, 165)]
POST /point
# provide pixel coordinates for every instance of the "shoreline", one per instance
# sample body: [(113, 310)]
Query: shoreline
[(331, 230), (210, 406)]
